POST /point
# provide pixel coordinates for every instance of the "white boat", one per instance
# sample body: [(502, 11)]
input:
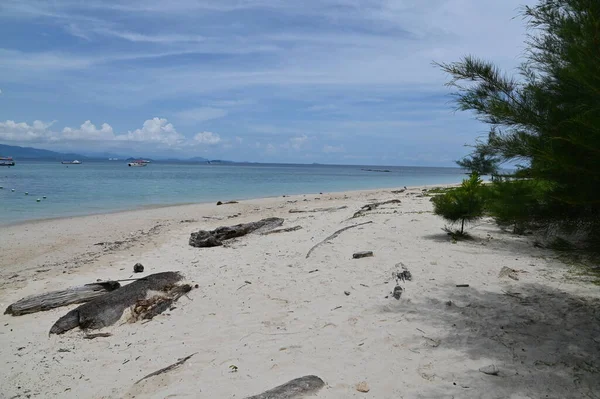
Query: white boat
[(138, 163), (74, 162), (7, 161)]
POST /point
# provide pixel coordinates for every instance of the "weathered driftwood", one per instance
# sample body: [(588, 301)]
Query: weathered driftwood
[(297, 388), (362, 254), (97, 335), (147, 309), (166, 369), (335, 208), (108, 308), (373, 206), (215, 238), (285, 230), (55, 299), (225, 203), (331, 237)]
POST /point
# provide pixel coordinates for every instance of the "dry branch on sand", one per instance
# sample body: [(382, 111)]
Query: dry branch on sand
[(166, 369), (55, 299), (373, 206), (294, 389), (331, 237), (108, 308), (285, 230), (215, 238), (335, 208)]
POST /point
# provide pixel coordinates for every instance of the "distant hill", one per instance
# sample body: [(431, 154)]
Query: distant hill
[(21, 153), (198, 159), (29, 153)]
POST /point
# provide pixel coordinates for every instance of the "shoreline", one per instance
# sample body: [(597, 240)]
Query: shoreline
[(275, 314), (183, 204)]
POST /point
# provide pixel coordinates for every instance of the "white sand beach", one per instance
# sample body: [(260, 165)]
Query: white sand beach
[(276, 315)]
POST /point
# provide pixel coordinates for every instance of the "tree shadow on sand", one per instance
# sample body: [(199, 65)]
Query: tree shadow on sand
[(545, 343)]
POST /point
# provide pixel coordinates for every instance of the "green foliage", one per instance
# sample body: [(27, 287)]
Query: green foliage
[(548, 116), (463, 204), (480, 162), (515, 203)]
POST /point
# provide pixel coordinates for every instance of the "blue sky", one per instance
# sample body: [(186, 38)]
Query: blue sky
[(329, 81)]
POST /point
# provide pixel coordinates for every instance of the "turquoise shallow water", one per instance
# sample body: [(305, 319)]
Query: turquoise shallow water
[(98, 187)]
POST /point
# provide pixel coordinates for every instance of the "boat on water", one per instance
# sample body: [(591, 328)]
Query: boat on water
[(7, 161), (74, 162), (138, 163)]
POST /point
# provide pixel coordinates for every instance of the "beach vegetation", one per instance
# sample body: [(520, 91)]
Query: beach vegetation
[(546, 118), (461, 205)]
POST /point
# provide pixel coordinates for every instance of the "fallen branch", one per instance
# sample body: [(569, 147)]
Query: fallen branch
[(286, 230), (297, 388), (335, 208), (55, 299), (108, 308), (331, 237), (97, 335), (167, 369), (373, 206), (215, 238)]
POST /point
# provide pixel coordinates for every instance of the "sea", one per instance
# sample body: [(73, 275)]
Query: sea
[(34, 190)]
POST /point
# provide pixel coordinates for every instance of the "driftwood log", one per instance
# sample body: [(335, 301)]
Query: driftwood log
[(294, 389), (215, 238), (373, 206), (55, 299), (108, 308), (331, 237)]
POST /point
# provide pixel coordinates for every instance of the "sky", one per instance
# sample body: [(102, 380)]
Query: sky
[(327, 81)]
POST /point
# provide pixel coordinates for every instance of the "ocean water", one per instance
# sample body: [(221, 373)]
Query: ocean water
[(99, 187)]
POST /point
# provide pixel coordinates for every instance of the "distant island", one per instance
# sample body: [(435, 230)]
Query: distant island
[(31, 154)]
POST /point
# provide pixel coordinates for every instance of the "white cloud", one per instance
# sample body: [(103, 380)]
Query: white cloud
[(23, 132), (270, 149), (298, 142), (209, 138), (0, 91), (330, 149), (201, 114), (88, 131), (325, 107), (155, 130)]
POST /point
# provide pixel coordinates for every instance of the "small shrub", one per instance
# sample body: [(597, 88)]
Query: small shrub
[(463, 204), (515, 203)]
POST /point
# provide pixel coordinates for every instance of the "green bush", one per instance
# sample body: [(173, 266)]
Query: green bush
[(463, 204), (516, 203)]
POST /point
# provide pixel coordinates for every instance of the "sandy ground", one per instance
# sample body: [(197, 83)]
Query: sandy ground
[(294, 318)]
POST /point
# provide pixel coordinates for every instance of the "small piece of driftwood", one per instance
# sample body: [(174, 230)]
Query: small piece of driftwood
[(362, 254), (225, 203), (97, 335), (373, 206), (285, 230), (166, 369), (335, 208), (55, 299), (107, 309), (294, 389), (215, 238), (462, 285), (331, 237)]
